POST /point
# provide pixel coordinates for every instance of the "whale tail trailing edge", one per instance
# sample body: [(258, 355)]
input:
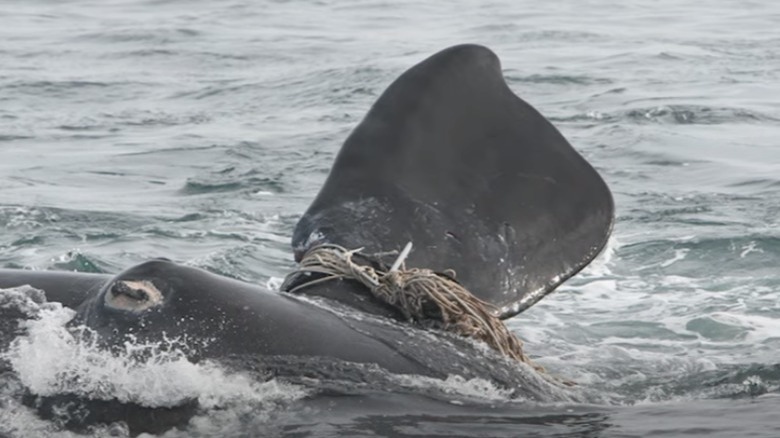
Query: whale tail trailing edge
[(452, 160)]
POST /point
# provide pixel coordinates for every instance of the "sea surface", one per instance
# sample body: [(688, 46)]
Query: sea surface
[(200, 131)]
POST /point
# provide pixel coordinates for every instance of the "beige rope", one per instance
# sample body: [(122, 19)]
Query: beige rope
[(420, 295)]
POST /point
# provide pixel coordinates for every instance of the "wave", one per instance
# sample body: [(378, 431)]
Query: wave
[(558, 79), (674, 114), (241, 183)]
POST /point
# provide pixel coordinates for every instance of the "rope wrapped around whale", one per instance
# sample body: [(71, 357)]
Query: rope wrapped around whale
[(420, 295)]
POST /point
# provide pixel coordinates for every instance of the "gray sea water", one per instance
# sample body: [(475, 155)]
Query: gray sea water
[(200, 131)]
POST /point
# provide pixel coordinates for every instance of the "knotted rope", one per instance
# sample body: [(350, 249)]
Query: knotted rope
[(420, 295)]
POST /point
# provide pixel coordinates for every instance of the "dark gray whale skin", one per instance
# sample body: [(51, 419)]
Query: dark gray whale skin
[(452, 160), (237, 318), (225, 317), (448, 158)]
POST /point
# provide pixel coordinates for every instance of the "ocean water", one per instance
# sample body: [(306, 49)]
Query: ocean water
[(200, 131)]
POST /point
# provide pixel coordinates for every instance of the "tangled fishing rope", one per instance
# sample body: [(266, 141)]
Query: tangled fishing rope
[(418, 294)]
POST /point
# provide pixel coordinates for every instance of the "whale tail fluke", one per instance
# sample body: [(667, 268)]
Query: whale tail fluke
[(452, 160)]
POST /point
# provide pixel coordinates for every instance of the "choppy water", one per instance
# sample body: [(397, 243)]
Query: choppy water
[(200, 131)]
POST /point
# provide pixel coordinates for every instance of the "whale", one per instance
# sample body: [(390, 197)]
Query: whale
[(448, 158)]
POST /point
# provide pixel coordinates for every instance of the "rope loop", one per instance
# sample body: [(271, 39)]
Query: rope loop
[(420, 295)]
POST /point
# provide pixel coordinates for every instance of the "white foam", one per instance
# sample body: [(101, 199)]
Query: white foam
[(25, 299), (476, 388), (50, 359), (600, 266), (274, 283), (679, 254), (751, 247)]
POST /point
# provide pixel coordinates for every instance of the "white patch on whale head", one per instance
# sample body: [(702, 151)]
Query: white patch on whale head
[(139, 295)]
